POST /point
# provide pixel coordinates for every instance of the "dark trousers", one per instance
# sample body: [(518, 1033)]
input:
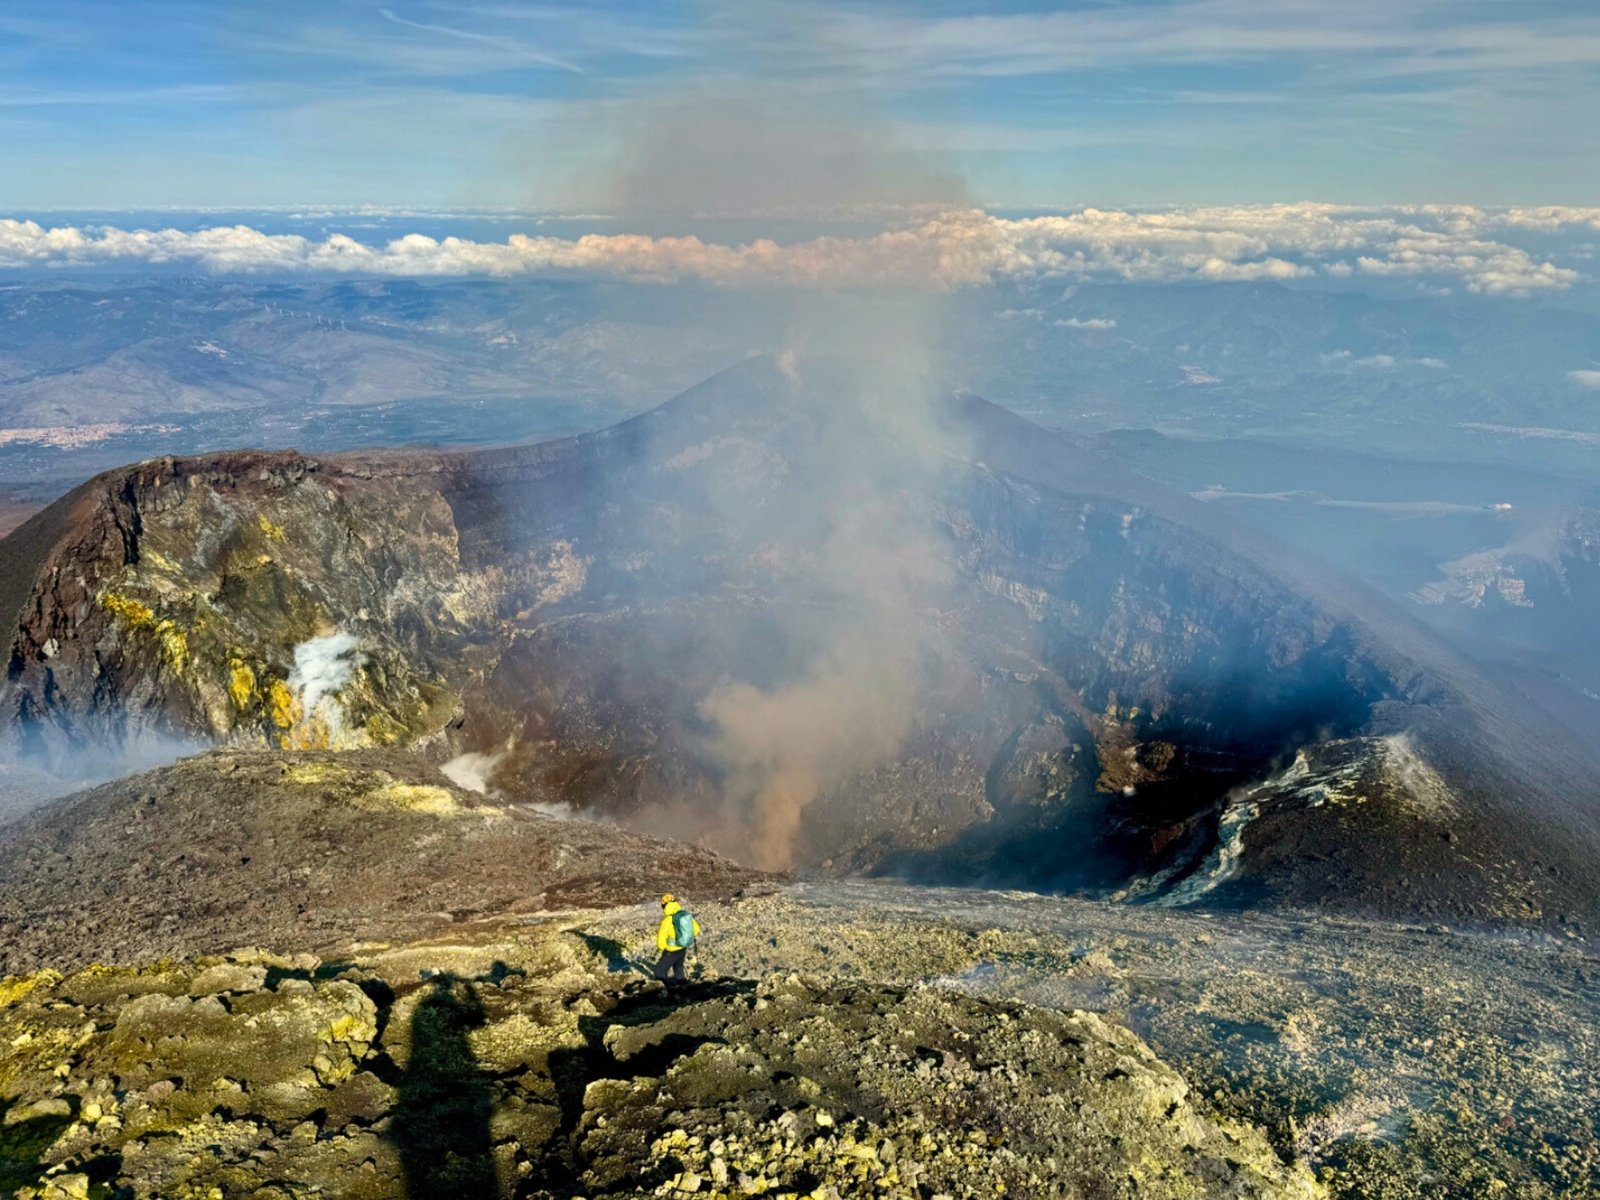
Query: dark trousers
[(671, 966)]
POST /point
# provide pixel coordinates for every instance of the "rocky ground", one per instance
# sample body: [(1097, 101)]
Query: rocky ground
[(1395, 1060), (839, 1040), (302, 850), (450, 1004), (24, 788), (523, 1065)]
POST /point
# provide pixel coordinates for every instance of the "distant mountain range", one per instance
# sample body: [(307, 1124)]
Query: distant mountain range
[(347, 363)]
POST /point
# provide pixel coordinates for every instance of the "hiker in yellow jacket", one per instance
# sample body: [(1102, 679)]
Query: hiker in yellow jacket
[(674, 936)]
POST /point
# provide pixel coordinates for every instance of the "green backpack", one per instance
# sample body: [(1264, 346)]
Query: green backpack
[(683, 929)]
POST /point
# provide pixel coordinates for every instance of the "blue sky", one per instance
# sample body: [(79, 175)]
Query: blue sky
[(154, 103)]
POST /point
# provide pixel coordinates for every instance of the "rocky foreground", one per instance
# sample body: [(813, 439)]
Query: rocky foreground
[(451, 1005), (525, 1066), (1397, 1061), (838, 1041)]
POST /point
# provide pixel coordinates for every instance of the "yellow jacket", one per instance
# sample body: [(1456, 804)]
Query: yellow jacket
[(665, 932)]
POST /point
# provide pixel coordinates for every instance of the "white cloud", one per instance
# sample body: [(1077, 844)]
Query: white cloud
[(1549, 219), (938, 250), (1585, 379), (1088, 323), (1379, 362)]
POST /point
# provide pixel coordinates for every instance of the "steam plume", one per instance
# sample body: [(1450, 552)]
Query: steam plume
[(871, 560), (322, 668), (863, 575), (876, 572)]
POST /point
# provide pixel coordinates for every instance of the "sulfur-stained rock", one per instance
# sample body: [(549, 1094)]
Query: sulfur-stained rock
[(64, 1187), (265, 1053), (228, 977), (530, 1123), (361, 1099), (99, 983), (518, 1064), (545, 1075)]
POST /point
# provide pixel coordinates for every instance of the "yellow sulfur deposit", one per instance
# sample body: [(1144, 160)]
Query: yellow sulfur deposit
[(273, 531), (154, 560), (241, 683), (283, 707), (18, 986), (130, 611), (313, 773), (374, 790), (412, 797), (173, 642), (384, 730), (174, 645), (310, 732)]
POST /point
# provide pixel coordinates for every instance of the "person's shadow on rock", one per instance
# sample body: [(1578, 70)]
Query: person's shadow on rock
[(442, 1110)]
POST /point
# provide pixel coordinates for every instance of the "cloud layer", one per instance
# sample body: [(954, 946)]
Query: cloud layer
[(1459, 245)]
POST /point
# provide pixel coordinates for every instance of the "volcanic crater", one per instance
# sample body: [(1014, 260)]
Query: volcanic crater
[(822, 617)]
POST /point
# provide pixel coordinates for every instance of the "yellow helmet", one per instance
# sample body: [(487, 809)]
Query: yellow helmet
[(667, 899)]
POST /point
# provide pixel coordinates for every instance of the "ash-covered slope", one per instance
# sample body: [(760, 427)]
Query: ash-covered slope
[(818, 614), (304, 849)]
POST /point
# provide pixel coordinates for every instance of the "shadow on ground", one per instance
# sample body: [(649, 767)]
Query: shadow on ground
[(445, 1099), (24, 1142)]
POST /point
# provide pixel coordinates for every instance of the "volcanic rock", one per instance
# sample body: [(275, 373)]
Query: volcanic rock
[(1074, 677), (307, 849), (542, 1074)]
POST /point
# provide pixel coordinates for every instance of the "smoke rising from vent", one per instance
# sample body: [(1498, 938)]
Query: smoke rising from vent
[(876, 570), (863, 570), (736, 152), (763, 136), (322, 667), (861, 565)]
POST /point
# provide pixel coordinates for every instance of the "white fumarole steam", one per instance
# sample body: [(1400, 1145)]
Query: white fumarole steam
[(474, 772), (322, 667), (471, 771)]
